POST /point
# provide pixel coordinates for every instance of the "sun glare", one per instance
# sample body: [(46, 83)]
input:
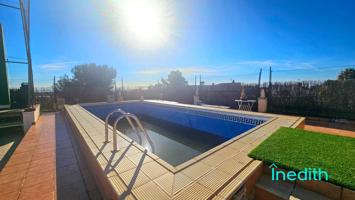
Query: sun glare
[(145, 23)]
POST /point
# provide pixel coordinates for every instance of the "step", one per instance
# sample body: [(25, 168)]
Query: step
[(267, 189), (279, 189), (11, 118), (300, 193)]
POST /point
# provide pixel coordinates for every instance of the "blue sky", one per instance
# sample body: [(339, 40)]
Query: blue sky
[(221, 40)]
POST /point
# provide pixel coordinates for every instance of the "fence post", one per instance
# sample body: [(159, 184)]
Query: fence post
[(261, 69), (270, 87)]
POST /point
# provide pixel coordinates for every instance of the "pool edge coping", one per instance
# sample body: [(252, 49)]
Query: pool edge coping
[(184, 165), (186, 187)]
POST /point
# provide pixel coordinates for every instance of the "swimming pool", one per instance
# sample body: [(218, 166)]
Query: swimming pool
[(179, 133)]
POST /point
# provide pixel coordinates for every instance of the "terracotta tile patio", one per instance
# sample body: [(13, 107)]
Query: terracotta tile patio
[(47, 165)]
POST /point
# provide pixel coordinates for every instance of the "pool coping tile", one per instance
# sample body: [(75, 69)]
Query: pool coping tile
[(159, 180)]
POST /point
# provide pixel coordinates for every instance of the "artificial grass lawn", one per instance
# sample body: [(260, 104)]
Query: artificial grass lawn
[(296, 149)]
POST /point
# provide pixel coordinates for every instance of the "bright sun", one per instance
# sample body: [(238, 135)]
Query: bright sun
[(146, 23)]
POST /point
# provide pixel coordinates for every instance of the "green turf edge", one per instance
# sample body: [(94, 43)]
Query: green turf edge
[(255, 153)]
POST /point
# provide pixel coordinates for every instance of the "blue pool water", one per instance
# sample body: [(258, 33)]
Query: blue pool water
[(179, 133)]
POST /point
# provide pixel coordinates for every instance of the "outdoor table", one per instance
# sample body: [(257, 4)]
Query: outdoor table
[(245, 105)]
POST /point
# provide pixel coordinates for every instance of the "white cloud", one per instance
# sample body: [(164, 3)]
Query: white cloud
[(257, 62), (184, 70), (232, 68), (280, 64), (56, 66)]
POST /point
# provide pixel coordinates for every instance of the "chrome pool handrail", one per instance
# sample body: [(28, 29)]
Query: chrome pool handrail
[(150, 142), (128, 116), (108, 117), (114, 136)]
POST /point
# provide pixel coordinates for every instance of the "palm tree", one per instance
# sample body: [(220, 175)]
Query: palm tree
[(347, 74)]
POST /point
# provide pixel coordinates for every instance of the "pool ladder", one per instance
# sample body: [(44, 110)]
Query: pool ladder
[(127, 116)]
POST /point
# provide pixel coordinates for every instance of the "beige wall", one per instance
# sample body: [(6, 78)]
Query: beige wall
[(30, 117)]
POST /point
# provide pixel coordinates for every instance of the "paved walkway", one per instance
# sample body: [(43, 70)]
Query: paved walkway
[(47, 165), (332, 131), (9, 139)]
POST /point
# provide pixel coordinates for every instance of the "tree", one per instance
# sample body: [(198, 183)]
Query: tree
[(175, 79), (90, 83), (65, 87), (347, 74)]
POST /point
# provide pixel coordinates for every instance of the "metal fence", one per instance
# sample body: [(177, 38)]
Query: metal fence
[(331, 99)]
